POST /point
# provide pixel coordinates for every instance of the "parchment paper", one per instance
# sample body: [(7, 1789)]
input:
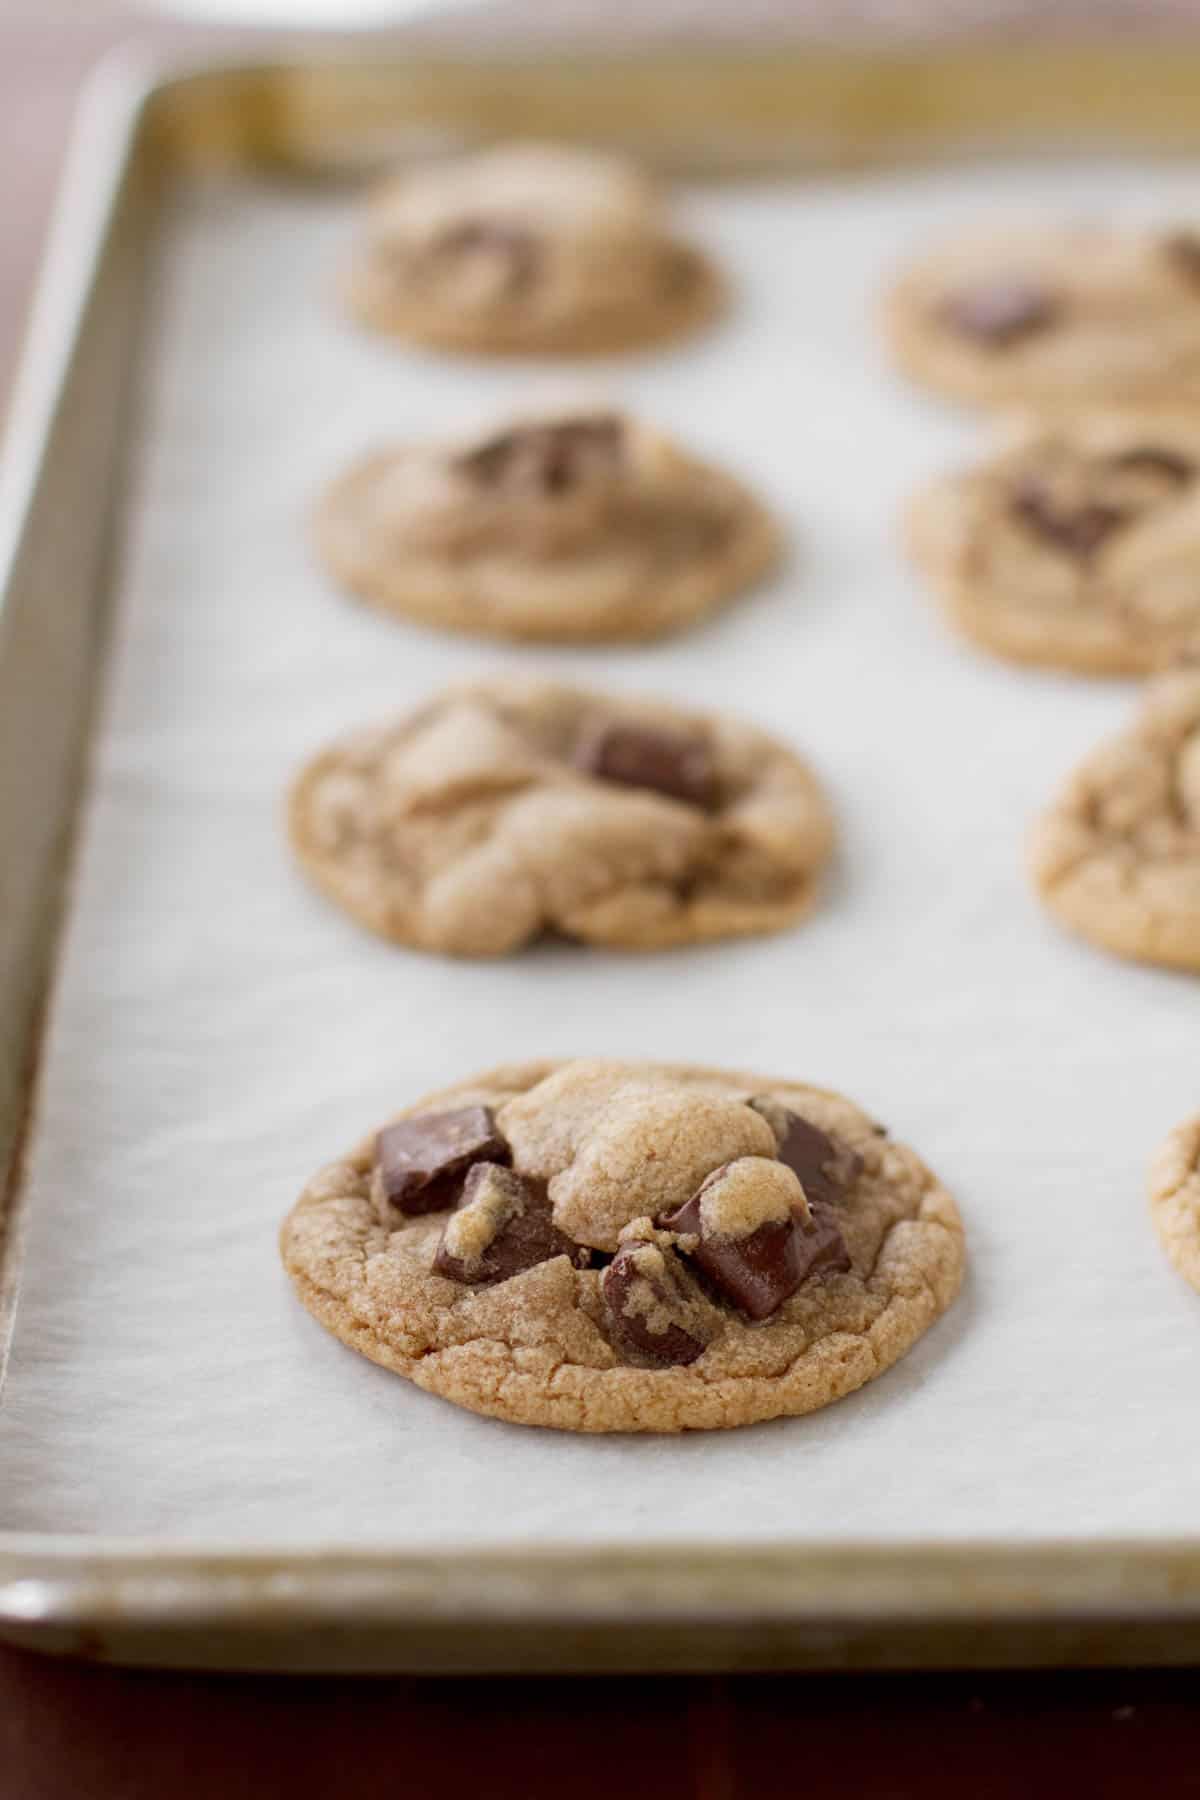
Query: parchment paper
[(219, 1031)]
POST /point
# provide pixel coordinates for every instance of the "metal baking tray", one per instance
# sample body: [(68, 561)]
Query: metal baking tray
[(144, 135)]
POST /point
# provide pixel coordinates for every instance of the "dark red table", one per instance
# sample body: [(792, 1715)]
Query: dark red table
[(69, 1732), (73, 1732)]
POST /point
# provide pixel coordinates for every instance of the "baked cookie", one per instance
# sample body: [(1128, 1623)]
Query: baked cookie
[(1077, 546), (509, 808), (527, 247), (568, 528), (1053, 315), (1118, 857), (1175, 1199), (611, 1246)]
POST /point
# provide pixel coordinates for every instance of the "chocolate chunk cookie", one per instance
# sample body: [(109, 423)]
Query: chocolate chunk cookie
[(1076, 546), (1053, 315), (527, 247), (646, 1257), (1117, 858), (566, 528), (509, 808), (1175, 1199)]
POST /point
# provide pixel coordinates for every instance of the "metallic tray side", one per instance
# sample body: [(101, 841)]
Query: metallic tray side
[(59, 484), (693, 1608)]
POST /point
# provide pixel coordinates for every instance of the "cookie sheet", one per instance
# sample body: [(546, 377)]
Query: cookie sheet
[(219, 1032)]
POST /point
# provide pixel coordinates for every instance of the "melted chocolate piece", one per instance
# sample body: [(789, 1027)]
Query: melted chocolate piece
[(997, 313), (1182, 251), (422, 1160), (822, 1243), (547, 459), (759, 1271), (635, 756), (1153, 461), (651, 1304), (509, 1227), (762, 1268), (1079, 532), (514, 250), (827, 1168)]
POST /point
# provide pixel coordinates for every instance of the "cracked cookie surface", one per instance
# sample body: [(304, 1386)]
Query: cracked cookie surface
[(1046, 315), (1175, 1199), (1117, 857), (506, 809), (569, 527), (1076, 546), (527, 247), (624, 1173)]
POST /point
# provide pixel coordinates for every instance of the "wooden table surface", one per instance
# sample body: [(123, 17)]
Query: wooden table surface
[(74, 1732)]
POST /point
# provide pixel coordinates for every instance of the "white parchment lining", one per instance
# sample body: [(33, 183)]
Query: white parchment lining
[(219, 1031)]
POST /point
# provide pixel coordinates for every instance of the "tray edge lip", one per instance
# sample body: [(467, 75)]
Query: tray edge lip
[(102, 140), (101, 144), (52, 1582)]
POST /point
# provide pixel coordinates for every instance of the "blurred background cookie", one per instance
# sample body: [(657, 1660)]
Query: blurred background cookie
[(565, 528), (1052, 315), (1175, 1199), (527, 247), (1117, 857), (507, 809), (1076, 546)]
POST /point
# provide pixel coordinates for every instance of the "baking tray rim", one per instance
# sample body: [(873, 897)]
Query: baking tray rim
[(92, 1595), (77, 1593)]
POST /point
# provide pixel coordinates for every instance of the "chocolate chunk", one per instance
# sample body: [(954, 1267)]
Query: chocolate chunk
[(827, 1167), (512, 249), (758, 1272), (422, 1160), (822, 1246), (761, 1267), (636, 756), (1079, 530), (547, 460), (503, 1225), (998, 313), (652, 1305), (1167, 463), (1182, 251)]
